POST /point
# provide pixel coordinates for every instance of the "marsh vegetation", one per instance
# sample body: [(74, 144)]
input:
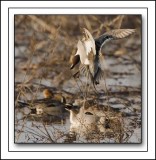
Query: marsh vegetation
[(44, 83)]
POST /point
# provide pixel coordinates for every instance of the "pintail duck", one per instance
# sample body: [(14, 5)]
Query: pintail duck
[(89, 52), (78, 116), (84, 121), (50, 104), (92, 116), (50, 95), (43, 106)]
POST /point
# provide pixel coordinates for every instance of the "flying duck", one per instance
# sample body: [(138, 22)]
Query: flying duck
[(89, 52)]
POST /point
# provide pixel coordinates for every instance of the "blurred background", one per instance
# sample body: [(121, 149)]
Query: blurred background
[(44, 45)]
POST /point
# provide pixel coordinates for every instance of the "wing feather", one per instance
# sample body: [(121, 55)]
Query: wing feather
[(81, 51), (113, 34), (89, 41), (84, 70), (85, 47), (119, 33)]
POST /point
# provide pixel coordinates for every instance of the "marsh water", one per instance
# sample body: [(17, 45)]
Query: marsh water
[(42, 61)]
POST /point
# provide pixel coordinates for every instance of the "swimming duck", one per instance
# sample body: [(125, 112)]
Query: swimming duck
[(80, 117), (47, 93), (44, 106)]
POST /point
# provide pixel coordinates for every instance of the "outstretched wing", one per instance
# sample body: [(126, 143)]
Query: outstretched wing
[(85, 47), (89, 41), (120, 33), (112, 35), (81, 51)]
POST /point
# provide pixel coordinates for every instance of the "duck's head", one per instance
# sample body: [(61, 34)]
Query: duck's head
[(58, 96), (70, 107), (47, 93)]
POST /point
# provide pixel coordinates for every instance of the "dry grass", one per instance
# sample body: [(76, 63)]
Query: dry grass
[(43, 49)]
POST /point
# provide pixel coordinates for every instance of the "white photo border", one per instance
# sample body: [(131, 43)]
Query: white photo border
[(144, 147), (66, 11)]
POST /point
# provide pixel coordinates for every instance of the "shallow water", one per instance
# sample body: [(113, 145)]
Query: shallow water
[(47, 66), (125, 96)]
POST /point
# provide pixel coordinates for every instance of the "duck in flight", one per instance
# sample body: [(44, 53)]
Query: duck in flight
[(89, 53)]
